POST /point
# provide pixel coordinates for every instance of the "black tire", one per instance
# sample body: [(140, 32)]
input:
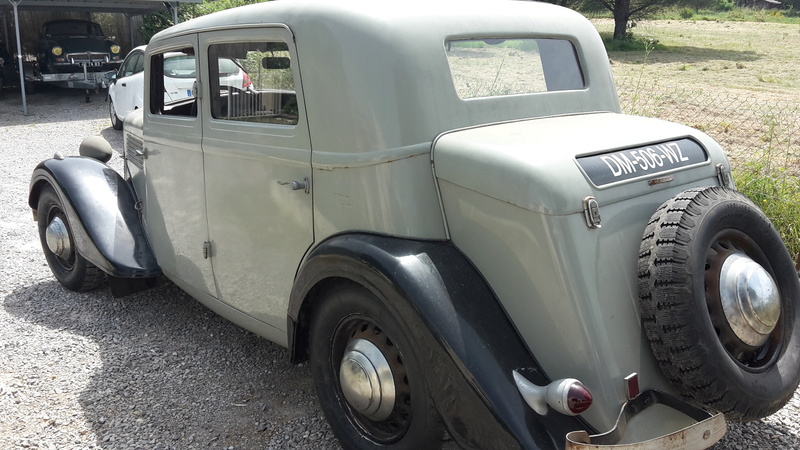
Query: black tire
[(112, 112), (681, 265), (350, 312), (73, 272)]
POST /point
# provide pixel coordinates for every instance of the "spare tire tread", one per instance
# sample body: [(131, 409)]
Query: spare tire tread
[(669, 315)]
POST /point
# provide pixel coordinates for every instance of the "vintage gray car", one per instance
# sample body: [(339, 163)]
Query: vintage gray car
[(440, 206)]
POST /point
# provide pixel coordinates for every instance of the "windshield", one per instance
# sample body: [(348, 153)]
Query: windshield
[(496, 67)]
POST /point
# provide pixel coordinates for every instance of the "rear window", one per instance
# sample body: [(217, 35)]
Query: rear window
[(496, 67)]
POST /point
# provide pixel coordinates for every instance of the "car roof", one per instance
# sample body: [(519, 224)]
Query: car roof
[(381, 66), (365, 15)]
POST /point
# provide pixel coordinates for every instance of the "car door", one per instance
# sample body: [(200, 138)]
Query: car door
[(174, 205), (128, 90), (257, 169)]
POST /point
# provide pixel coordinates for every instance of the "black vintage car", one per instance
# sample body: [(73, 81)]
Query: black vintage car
[(68, 45)]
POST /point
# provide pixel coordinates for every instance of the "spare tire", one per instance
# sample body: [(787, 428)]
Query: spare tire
[(719, 303)]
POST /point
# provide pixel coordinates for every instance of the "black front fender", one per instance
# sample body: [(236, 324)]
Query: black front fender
[(469, 345), (101, 210)]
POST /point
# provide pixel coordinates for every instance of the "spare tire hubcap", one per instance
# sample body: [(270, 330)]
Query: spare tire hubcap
[(750, 299)]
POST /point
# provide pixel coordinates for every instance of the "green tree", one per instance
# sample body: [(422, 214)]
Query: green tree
[(697, 5), (625, 10), (155, 22)]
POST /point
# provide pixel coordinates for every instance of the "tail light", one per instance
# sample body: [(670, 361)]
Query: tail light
[(246, 82), (567, 395)]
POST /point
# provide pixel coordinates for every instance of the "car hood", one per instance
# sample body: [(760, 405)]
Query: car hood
[(81, 44)]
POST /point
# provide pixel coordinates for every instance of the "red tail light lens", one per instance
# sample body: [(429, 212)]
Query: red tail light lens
[(579, 399), (246, 81)]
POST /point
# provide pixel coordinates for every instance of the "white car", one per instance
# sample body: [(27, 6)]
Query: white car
[(127, 91)]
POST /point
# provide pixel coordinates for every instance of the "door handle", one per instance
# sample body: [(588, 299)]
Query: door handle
[(124, 84), (297, 185)]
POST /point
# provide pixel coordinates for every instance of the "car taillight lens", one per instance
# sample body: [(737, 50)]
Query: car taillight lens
[(579, 399), (567, 395), (246, 81)]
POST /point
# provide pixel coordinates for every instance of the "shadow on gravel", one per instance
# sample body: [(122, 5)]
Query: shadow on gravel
[(43, 102), (172, 374)]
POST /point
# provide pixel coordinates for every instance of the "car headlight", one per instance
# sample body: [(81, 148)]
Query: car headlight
[(115, 49), (57, 50)]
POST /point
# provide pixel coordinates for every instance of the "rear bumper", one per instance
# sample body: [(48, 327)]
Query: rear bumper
[(705, 432)]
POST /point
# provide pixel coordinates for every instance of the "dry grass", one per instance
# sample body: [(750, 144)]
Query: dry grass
[(747, 58), (737, 81)]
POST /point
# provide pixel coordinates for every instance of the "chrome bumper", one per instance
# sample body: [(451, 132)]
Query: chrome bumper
[(708, 430)]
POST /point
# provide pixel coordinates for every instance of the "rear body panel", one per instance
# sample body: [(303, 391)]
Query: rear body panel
[(513, 200)]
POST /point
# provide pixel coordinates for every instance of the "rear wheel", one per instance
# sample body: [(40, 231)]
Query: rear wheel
[(719, 296), (369, 381), (68, 266)]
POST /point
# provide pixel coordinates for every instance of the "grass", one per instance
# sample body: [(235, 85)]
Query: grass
[(716, 55), (776, 192), (734, 15), (724, 73)]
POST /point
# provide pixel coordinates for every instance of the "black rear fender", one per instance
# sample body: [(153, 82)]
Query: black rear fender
[(466, 341), (101, 209)]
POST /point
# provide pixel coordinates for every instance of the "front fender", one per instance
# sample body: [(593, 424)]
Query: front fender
[(466, 340), (101, 210)]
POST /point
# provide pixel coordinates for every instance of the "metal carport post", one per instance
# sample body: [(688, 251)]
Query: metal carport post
[(14, 4), (114, 6)]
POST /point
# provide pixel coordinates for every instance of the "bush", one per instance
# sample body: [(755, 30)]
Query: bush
[(686, 13), (737, 15), (631, 43), (777, 193), (724, 5)]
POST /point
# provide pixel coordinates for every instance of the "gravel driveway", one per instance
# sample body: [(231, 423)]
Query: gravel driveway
[(157, 369)]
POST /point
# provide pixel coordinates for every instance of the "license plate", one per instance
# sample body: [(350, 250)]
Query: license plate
[(639, 162)]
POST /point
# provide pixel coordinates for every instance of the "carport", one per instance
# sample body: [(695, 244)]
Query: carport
[(127, 7)]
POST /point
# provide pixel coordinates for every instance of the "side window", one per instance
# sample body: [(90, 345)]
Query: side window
[(173, 83), (252, 82), (130, 64), (139, 67)]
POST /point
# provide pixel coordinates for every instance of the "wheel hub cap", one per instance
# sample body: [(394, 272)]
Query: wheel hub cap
[(57, 238), (750, 299), (366, 380)]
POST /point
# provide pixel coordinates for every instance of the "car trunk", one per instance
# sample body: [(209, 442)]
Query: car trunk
[(517, 199)]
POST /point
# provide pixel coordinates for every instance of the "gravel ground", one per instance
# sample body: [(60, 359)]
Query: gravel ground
[(157, 369), (154, 370)]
